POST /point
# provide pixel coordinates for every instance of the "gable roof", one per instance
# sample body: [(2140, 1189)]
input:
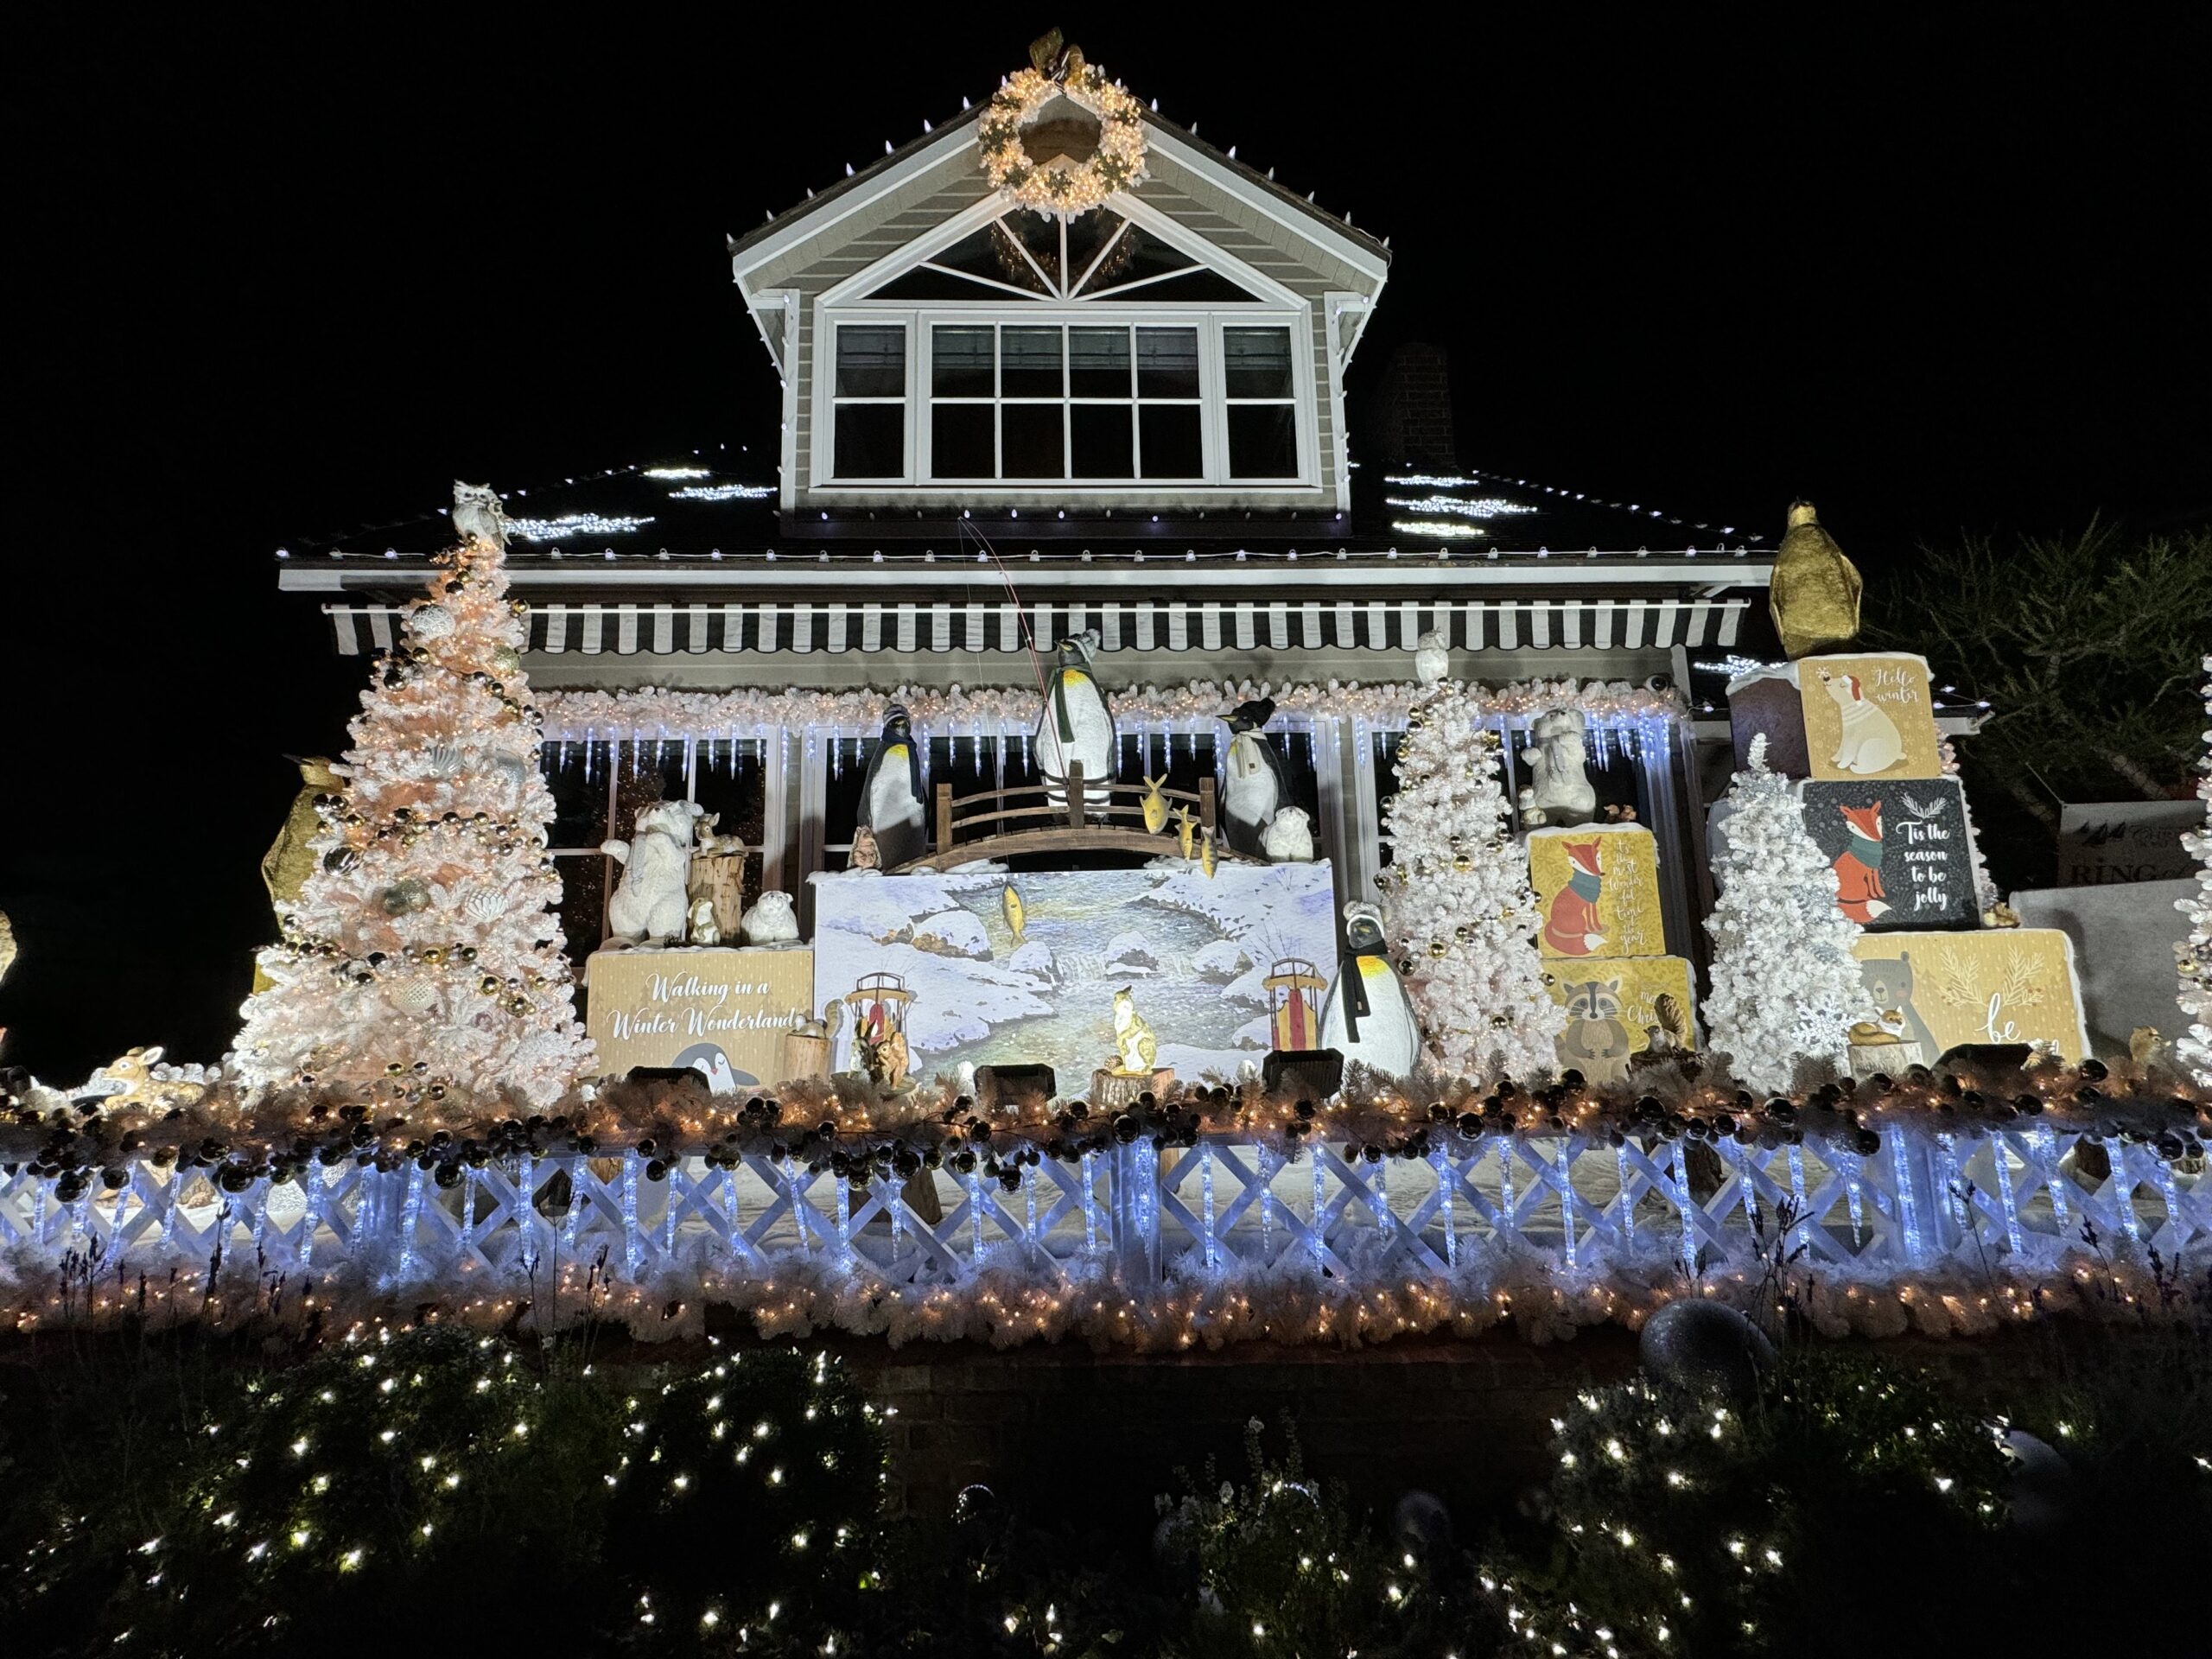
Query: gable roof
[(1337, 235)]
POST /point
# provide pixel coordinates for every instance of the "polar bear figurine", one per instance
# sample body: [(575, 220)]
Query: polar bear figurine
[(1868, 742), (649, 904), (770, 920)]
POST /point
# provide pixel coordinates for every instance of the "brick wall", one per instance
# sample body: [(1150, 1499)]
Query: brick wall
[(1045, 1427), (1411, 412)]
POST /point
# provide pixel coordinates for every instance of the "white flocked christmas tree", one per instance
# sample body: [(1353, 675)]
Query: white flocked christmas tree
[(422, 957), (1786, 988), (1457, 903), (2194, 953)]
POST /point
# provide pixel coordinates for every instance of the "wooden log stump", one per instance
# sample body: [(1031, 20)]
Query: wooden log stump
[(805, 1059), (1117, 1091), (721, 877)]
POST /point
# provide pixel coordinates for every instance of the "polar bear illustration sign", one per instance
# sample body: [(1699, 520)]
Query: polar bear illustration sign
[(1868, 715)]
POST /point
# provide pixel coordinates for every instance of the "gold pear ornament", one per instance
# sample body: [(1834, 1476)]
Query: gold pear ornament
[(1155, 806), (1016, 914), (1814, 589)]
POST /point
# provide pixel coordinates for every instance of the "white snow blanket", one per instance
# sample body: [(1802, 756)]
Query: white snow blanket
[(1194, 952)]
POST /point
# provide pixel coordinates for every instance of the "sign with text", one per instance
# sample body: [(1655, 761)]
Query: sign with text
[(1995, 985), (2103, 841), (722, 1012), (1898, 849), (1869, 714)]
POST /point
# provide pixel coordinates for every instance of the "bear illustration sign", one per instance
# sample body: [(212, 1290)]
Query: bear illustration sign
[(1993, 985), (1899, 850)]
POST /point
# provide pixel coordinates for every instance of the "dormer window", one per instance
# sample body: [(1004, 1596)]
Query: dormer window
[(1096, 353)]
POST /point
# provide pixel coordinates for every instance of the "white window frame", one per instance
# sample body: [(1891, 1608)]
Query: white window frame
[(1273, 305)]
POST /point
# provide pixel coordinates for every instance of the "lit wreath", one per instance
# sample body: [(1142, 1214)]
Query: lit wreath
[(1060, 186)]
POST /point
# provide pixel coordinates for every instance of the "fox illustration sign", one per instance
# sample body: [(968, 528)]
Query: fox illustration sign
[(1899, 850)]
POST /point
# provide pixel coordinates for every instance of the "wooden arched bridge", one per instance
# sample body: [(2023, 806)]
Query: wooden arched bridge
[(1063, 814)]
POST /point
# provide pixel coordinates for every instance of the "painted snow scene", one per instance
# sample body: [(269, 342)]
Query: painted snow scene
[(984, 967)]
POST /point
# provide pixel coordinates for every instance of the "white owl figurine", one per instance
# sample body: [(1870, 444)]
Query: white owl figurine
[(477, 512), (770, 920), (1432, 657)]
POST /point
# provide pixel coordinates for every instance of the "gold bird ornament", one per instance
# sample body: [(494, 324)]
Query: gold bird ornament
[(1814, 589)]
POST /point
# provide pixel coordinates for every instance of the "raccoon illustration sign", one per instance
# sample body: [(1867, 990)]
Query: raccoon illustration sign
[(1612, 1005), (1899, 850), (1868, 715)]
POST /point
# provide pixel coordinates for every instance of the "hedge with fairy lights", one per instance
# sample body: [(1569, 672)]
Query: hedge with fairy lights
[(430, 1473)]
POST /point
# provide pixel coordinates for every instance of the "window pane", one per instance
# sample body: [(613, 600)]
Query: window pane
[(1167, 363), (1032, 440), (960, 362), (1104, 441), (1098, 362), (960, 440), (871, 362), (1135, 256), (1029, 363), (1170, 436), (871, 440), (1256, 362), (1041, 234), (1263, 441), (1086, 236)]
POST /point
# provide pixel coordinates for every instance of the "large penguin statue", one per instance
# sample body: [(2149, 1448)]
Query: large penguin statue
[(1368, 1017), (891, 796), (1257, 787), (1077, 726)]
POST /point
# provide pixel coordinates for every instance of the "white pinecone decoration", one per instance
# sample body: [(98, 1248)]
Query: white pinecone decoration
[(412, 996), (431, 621), (484, 904)]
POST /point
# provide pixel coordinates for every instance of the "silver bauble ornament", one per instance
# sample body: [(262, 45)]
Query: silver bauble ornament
[(431, 621)]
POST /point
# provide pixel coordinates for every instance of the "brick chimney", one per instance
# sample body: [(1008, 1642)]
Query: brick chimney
[(1413, 410)]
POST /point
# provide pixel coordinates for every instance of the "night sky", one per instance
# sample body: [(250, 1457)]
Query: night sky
[(295, 278)]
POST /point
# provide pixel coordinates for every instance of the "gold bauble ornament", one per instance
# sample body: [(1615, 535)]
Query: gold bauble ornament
[(1462, 863), (1464, 933), (1438, 947), (506, 659)]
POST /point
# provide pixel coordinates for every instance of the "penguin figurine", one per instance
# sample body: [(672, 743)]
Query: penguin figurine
[(1077, 726), (1368, 1017), (1257, 787), (891, 795), (1814, 589)]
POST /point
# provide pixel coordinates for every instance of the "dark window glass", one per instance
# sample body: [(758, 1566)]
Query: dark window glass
[(1029, 363), (1104, 438), (961, 441), (1256, 362), (1138, 255), (1169, 432), (992, 254), (923, 283), (734, 788), (1167, 364), (1041, 234), (871, 440), (1208, 286), (1263, 441), (871, 362), (579, 803), (961, 362), (1030, 441), (1086, 237), (1098, 362)]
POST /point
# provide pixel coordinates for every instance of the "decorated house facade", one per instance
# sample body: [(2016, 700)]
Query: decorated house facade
[(1012, 415)]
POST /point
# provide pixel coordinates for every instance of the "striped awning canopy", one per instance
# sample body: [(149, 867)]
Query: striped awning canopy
[(1569, 622)]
